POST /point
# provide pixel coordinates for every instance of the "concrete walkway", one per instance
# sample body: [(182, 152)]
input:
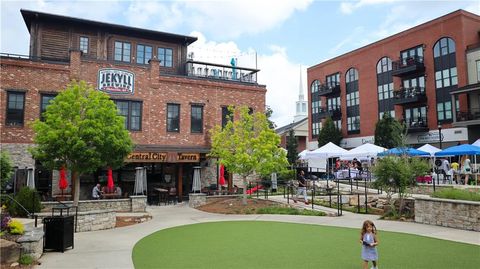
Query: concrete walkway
[(113, 248)]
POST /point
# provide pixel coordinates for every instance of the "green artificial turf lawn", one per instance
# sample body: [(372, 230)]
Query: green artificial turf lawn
[(250, 244)]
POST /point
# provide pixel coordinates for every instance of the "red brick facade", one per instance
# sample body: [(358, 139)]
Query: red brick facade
[(460, 26)]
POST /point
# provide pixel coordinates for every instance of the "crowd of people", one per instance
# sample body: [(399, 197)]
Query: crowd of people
[(458, 171), (98, 192)]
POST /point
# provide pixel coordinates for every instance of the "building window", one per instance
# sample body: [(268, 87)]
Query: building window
[(316, 106), (315, 86), (444, 46), (391, 112), (384, 65), (131, 112), (165, 56), (353, 123), (352, 75), (45, 101), (333, 103), (416, 116), (196, 121), (122, 51), (144, 54), (316, 128), (15, 108), (385, 91), (444, 111), (84, 44), (446, 77), (338, 124), (413, 53), (333, 80), (173, 118), (353, 99), (226, 116)]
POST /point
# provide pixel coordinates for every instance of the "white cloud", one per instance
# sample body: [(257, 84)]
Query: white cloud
[(351, 6), (277, 72)]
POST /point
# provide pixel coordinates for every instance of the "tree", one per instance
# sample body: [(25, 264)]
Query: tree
[(388, 132), (248, 146), (81, 131), (6, 169), (269, 113), (292, 144), (329, 133), (396, 174)]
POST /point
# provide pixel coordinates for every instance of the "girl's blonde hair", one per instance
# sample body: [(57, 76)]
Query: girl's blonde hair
[(366, 224)]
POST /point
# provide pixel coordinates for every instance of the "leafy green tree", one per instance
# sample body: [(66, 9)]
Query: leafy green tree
[(248, 146), (329, 133), (388, 132), (292, 144), (6, 169), (268, 113), (81, 131), (396, 174)]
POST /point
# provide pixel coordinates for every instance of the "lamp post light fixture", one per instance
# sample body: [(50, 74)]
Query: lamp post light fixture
[(440, 135)]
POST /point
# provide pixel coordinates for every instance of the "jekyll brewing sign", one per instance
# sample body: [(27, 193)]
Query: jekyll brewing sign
[(115, 81)]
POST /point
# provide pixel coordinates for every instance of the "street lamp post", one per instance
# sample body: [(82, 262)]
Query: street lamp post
[(440, 135)]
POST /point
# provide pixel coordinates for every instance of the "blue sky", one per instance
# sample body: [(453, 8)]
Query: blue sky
[(283, 34)]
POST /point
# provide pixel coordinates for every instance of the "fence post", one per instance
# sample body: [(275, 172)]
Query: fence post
[(358, 203), (366, 207)]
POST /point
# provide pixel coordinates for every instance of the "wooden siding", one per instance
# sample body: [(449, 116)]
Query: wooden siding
[(54, 43)]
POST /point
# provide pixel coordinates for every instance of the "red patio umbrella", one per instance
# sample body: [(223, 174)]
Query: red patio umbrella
[(63, 184), (109, 179), (222, 175)]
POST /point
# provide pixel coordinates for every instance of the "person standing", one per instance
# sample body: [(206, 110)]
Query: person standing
[(302, 187), (369, 241), (467, 170), (455, 173)]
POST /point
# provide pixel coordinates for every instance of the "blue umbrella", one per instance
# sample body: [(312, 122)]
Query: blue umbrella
[(464, 149), (404, 151)]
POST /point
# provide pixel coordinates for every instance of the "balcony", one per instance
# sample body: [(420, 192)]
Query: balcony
[(416, 126), (468, 117), (409, 95), (408, 66), (221, 72), (332, 112), (329, 88)]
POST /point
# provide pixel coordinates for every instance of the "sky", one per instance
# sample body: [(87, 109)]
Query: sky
[(280, 37)]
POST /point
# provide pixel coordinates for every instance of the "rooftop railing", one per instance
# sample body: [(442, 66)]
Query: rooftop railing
[(221, 72)]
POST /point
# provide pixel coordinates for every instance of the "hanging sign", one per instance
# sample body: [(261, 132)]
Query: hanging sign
[(115, 81)]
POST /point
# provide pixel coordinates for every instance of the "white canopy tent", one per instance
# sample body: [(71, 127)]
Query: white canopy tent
[(477, 143), (318, 158), (302, 155), (365, 151), (430, 149)]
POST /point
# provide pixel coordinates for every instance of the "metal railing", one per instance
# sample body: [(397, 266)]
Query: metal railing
[(406, 62), (221, 72), (29, 214), (34, 58), (405, 93), (467, 115)]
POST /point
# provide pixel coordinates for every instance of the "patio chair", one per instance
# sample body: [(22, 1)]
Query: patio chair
[(172, 196)]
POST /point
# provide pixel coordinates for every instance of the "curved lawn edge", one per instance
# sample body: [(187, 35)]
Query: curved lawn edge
[(205, 245)]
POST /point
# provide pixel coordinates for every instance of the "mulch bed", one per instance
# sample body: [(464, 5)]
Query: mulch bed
[(235, 206)]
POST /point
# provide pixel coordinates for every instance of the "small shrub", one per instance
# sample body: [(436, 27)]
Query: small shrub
[(25, 259), (29, 199), (16, 227), (5, 219), (457, 194), (289, 211)]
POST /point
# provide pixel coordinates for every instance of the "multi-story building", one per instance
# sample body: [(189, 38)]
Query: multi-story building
[(419, 76), (170, 102)]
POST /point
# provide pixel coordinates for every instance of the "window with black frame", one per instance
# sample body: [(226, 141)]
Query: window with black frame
[(173, 118), (412, 55), (122, 51), (165, 56), (446, 78), (131, 112), (15, 108), (83, 44), (45, 100), (144, 54), (353, 101), (196, 122), (227, 115)]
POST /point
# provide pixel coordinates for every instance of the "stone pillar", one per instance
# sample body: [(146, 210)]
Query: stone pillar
[(197, 199), (75, 62), (139, 203)]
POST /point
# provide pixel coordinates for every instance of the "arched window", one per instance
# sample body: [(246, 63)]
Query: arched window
[(315, 85), (384, 65), (444, 46), (352, 75)]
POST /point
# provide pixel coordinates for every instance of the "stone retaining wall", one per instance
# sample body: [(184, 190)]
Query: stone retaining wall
[(32, 243), (197, 199), (96, 220), (448, 213), (131, 204)]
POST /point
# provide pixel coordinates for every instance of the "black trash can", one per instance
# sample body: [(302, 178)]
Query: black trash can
[(58, 232)]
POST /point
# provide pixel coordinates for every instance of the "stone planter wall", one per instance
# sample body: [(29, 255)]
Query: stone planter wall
[(32, 243), (448, 213), (91, 220), (197, 199), (131, 204)]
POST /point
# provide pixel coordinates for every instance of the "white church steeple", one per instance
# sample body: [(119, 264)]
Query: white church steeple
[(301, 105)]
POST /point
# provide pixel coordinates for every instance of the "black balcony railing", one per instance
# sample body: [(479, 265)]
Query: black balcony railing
[(409, 95), (33, 58), (407, 66), (221, 72), (418, 124), (329, 88), (468, 115), (333, 112)]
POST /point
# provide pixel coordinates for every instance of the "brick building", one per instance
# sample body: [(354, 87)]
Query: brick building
[(419, 76), (169, 102)]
